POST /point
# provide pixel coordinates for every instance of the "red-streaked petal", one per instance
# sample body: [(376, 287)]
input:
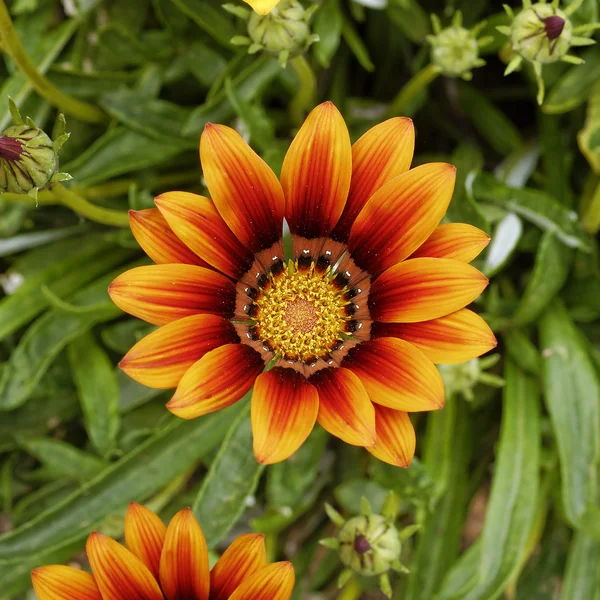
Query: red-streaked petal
[(395, 437), (283, 413), (245, 556), (316, 173), (184, 572), (57, 582), (158, 241), (422, 289), (160, 294), (344, 406), (455, 338), (458, 241), (243, 187), (198, 224), (400, 216), (145, 535), (382, 153), (397, 375), (220, 378), (161, 358), (273, 582), (119, 574)]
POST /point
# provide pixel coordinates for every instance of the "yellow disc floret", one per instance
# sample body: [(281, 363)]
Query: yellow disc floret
[(301, 314)]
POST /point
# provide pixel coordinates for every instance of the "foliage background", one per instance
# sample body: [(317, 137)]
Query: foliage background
[(505, 484)]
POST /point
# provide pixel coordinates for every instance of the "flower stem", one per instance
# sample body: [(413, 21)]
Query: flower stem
[(12, 45), (106, 216), (352, 590), (307, 87), (408, 93)]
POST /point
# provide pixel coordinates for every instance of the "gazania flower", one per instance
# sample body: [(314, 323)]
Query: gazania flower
[(350, 325), (167, 563)]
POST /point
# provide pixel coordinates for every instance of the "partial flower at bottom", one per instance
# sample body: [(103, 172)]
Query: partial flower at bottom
[(349, 325), (167, 563)]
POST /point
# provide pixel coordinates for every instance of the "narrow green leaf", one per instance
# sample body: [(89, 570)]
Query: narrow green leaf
[(26, 241), (327, 25), (356, 44), (504, 242), (411, 18), (534, 206), (572, 395), (582, 576), (210, 17), (557, 158), (64, 459), (98, 391), (523, 351), (230, 482)]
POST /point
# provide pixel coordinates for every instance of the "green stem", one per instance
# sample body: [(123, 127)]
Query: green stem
[(352, 590), (408, 93), (106, 216), (12, 45), (307, 87)]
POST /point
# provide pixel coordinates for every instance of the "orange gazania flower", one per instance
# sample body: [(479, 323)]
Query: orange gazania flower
[(167, 563), (350, 325)]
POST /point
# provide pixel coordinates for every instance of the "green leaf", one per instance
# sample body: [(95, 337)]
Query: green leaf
[(522, 350), (54, 536), (327, 25), (356, 44), (64, 459), (205, 64), (210, 17), (491, 123), (573, 88), (582, 577), (504, 242), (412, 20), (534, 206), (26, 241), (98, 391), (230, 482), (556, 159), (572, 395)]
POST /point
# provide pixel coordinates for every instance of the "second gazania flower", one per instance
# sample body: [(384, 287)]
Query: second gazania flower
[(350, 325)]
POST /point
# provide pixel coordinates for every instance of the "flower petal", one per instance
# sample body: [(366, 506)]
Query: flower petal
[(158, 241), (400, 216), (455, 338), (57, 582), (273, 582), (145, 535), (397, 375), (119, 574), (198, 224), (243, 187), (184, 572), (262, 7), (245, 556), (283, 413), (220, 378), (458, 241), (160, 294), (421, 289), (161, 358), (395, 437), (382, 153), (316, 173), (344, 406)]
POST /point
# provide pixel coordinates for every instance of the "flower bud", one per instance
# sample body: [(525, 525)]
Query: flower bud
[(461, 378)]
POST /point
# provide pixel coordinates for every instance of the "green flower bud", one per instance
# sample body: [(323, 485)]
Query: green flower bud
[(369, 544), (461, 378)]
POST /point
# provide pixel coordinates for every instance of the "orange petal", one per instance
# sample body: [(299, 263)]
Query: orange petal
[(184, 572), (245, 556), (344, 406), (395, 437), (119, 574), (160, 294), (158, 241), (455, 338), (283, 413), (198, 224), (382, 153), (161, 358), (400, 216), (316, 173), (144, 535), (57, 582), (458, 241), (273, 582), (421, 289), (220, 378), (397, 375), (242, 186)]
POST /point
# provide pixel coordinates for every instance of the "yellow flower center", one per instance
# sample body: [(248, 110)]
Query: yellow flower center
[(301, 314)]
